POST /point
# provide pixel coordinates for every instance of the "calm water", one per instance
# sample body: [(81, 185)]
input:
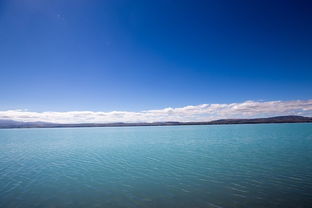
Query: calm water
[(230, 166)]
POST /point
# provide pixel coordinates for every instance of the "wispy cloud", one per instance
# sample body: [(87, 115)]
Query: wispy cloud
[(203, 112)]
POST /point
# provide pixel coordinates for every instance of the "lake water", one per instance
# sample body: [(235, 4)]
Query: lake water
[(229, 166)]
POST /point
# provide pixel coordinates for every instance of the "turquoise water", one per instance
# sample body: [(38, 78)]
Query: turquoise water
[(230, 166)]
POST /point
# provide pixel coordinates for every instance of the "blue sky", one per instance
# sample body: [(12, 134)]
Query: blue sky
[(79, 55)]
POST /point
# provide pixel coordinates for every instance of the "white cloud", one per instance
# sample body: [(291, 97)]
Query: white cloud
[(203, 112)]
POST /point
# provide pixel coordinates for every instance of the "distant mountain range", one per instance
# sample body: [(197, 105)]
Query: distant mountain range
[(278, 119)]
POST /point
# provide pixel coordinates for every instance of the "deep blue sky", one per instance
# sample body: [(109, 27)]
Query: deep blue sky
[(58, 55)]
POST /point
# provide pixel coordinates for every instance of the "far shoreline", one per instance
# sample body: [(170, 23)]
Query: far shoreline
[(271, 120)]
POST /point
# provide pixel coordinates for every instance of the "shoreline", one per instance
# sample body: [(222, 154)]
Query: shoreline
[(271, 120)]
